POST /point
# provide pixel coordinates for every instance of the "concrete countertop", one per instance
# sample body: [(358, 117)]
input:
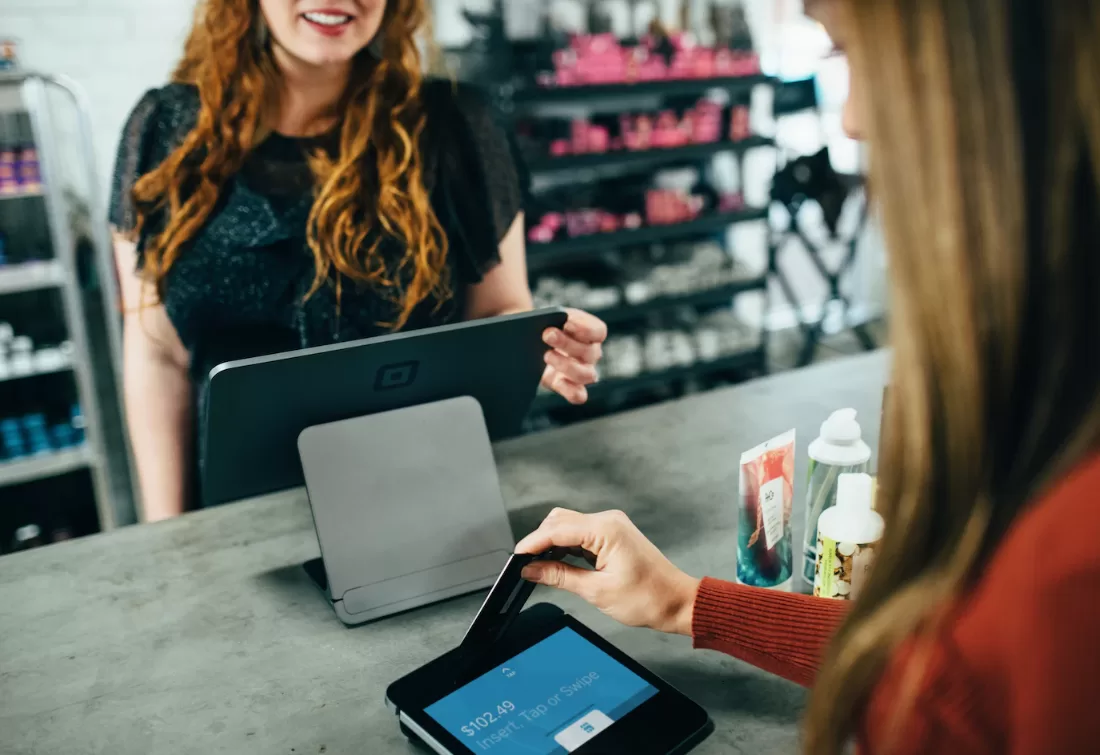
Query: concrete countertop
[(203, 635)]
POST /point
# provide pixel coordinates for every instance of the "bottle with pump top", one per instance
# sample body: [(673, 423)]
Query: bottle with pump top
[(837, 451), (847, 536)]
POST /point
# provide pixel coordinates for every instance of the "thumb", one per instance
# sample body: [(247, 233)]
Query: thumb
[(557, 575)]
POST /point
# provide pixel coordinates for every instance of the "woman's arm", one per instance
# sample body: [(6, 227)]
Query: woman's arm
[(157, 389), (779, 632), (504, 289), (633, 582), (577, 348)]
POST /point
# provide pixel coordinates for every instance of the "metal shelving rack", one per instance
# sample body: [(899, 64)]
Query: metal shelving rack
[(546, 256), (97, 375)]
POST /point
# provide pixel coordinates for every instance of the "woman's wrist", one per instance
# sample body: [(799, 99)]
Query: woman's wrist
[(681, 609)]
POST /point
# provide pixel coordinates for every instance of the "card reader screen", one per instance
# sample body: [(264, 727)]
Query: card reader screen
[(549, 699)]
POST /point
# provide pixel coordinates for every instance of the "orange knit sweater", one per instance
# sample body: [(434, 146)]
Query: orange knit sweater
[(1015, 670)]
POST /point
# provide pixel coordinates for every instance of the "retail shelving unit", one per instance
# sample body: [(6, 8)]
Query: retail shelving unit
[(652, 157), (541, 256), (75, 272), (707, 297), (544, 258)]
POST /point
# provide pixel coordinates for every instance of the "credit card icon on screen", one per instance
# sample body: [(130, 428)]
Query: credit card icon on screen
[(582, 730)]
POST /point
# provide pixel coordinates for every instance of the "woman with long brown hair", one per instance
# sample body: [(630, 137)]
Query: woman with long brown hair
[(978, 630), (300, 183)]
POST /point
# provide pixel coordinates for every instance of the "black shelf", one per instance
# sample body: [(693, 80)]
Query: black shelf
[(543, 255), (626, 159), (706, 297), (754, 359), (529, 97)]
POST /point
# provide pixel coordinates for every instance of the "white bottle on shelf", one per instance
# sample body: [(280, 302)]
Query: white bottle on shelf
[(847, 535), (21, 360)]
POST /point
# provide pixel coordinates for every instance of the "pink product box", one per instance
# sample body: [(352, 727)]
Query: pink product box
[(731, 202), (27, 171), (9, 175), (739, 124), (588, 222), (664, 207), (540, 234)]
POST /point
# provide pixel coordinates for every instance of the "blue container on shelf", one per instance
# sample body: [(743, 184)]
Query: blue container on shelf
[(77, 419), (38, 438), (63, 436), (12, 443)]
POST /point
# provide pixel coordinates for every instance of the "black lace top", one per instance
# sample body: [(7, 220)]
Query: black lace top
[(238, 289)]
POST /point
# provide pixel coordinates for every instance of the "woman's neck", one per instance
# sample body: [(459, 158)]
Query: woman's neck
[(308, 96)]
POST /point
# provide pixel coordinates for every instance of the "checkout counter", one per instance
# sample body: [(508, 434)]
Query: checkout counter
[(204, 635)]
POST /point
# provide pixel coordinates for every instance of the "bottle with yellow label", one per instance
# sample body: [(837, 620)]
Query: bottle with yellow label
[(847, 536)]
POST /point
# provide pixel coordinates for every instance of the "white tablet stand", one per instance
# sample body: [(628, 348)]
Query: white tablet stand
[(407, 507)]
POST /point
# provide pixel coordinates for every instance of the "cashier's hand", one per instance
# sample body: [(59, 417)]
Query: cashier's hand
[(631, 581), (575, 351)]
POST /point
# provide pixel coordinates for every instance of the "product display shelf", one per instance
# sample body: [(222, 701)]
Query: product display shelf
[(31, 276), (624, 159), (541, 256), (703, 298), (20, 195), (45, 466), (754, 359), (37, 93), (38, 372), (527, 98)]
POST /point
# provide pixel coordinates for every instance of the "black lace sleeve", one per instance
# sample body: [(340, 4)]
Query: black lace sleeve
[(494, 147), (482, 176), (137, 155)]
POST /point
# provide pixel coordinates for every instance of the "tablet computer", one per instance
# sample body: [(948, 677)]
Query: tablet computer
[(257, 408), (550, 686)]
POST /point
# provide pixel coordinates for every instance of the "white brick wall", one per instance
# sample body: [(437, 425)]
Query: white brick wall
[(115, 49)]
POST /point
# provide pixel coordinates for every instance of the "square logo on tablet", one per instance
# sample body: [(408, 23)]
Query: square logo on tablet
[(396, 376)]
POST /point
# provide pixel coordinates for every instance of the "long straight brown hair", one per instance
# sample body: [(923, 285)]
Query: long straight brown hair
[(983, 118)]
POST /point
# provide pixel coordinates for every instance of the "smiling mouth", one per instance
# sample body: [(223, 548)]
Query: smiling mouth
[(328, 20)]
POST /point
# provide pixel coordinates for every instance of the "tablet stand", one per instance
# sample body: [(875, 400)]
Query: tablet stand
[(407, 507)]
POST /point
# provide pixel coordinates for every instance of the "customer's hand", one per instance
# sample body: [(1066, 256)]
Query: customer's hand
[(575, 350), (631, 581)]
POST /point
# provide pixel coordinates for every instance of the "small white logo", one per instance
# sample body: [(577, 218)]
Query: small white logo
[(508, 672)]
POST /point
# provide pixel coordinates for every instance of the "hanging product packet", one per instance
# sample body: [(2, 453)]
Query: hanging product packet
[(765, 557)]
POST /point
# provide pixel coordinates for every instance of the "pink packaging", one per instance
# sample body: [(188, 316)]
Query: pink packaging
[(724, 63), (9, 183), (579, 136), (540, 234), (643, 127), (704, 64), (559, 147), (27, 171), (739, 123), (598, 139)]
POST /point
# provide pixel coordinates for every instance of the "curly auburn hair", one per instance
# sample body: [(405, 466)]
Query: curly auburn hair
[(373, 190)]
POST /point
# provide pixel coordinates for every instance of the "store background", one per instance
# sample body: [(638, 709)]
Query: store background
[(115, 50)]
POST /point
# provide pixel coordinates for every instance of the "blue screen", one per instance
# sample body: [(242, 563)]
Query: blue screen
[(549, 699)]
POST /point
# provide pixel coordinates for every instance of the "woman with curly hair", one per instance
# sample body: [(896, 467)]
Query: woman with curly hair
[(300, 183)]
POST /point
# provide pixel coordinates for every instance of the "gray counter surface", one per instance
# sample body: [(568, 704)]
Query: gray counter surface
[(202, 635)]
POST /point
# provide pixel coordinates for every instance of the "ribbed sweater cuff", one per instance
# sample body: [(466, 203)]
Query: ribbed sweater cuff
[(782, 633)]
